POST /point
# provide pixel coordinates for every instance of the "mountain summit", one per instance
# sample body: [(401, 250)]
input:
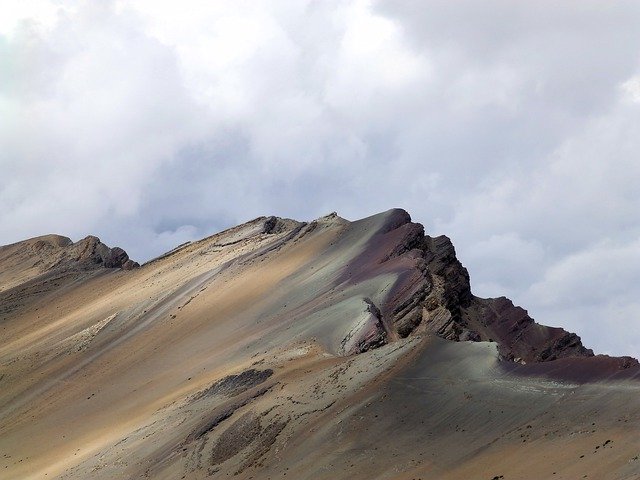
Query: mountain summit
[(285, 349)]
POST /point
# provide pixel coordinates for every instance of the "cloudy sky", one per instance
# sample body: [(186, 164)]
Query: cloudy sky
[(512, 127)]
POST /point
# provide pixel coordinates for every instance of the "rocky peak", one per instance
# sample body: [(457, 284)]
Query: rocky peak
[(275, 225), (434, 295), (90, 251), (55, 252)]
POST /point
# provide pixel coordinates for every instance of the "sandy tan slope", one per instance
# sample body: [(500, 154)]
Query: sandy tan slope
[(280, 349)]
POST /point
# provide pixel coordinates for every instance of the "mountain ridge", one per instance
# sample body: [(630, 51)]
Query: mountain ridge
[(318, 350), (437, 298)]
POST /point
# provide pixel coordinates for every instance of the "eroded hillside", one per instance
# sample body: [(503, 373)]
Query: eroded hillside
[(282, 349)]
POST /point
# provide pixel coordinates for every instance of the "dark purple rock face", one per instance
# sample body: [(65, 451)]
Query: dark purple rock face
[(433, 294), (116, 258)]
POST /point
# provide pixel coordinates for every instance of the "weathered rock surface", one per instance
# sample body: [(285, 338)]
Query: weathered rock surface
[(49, 252), (434, 295), (90, 252)]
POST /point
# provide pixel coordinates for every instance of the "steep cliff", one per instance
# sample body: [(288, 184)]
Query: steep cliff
[(433, 294)]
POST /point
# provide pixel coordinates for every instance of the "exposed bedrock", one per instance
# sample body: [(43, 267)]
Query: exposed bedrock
[(51, 252), (91, 251), (433, 294)]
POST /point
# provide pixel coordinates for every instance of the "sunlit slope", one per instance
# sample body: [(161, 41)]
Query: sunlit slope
[(280, 347)]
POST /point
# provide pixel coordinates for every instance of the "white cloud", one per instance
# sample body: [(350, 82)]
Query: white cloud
[(631, 89), (599, 274), (103, 108), (36, 13)]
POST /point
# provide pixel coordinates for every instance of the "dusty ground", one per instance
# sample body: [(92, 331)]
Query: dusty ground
[(230, 357)]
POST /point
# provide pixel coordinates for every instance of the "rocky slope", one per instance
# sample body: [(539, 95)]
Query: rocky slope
[(284, 349), (54, 254), (41, 265), (434, 295)]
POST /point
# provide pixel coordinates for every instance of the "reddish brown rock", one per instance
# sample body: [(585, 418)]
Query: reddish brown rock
[(433, 294)]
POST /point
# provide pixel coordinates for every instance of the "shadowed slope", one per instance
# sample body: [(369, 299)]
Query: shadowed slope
[(308, 349)]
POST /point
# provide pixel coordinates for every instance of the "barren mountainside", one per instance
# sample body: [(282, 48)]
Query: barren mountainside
[(284, 349)]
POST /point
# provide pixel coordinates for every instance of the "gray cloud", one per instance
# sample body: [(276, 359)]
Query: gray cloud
[(510, 126)]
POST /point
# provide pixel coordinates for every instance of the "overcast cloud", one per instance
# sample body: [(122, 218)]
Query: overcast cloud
[(512, 127)]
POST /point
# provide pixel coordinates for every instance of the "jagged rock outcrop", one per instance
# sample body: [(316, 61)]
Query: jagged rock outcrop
[(367, 333), (91, 251), (53, 255), (433, 294)]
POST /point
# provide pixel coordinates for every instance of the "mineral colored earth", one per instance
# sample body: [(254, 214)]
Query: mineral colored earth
[(281, 349)]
